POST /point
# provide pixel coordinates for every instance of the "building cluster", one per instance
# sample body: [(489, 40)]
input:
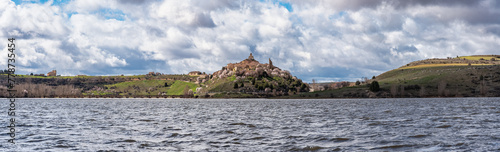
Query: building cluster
[(194, 73), (52, 73), (154, 74)]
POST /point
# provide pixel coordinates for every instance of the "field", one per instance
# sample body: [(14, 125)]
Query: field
[(178, 88), (151, 87), (441, 65), (479, 57)]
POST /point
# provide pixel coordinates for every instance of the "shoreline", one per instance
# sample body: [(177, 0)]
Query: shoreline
[(244, 98)]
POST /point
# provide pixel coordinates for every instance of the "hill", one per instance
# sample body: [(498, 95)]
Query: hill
[(248, 78), (468, 76)]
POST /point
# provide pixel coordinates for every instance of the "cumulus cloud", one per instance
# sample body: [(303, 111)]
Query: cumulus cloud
[(324, 40)]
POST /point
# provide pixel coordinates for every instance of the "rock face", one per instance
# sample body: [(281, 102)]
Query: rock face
[(251, 68)]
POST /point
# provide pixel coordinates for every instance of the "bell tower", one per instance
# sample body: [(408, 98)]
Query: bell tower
[(250, 57), (270, 63)]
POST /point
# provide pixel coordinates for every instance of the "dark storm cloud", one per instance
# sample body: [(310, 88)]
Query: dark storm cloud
[(493, 30), (218, 4), (203, 20), (359, 4), (407, 3)]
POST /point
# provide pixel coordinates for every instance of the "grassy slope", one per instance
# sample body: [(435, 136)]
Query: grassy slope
[(223, 85), (173, 88), (441, 65), (143, 85), (478, 57), (459, 80), (178, 88)]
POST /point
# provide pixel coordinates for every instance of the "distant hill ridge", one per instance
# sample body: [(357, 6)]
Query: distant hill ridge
[(465, 76), (463, 60)]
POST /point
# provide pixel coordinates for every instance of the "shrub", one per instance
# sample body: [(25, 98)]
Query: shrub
[(374, 86), (235, 86), (303, 87), (412, 87), (358, 83)]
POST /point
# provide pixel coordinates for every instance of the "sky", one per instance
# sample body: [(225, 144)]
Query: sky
[(326, 40)]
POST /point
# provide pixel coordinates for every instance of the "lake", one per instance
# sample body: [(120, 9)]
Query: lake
[(439, 124)]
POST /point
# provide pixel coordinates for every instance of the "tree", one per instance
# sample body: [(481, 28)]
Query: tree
[(394, 90), (235, 85), (441, 88), (303, 87), (422, 91), (264, 74), (365, 79), (186, 91), (315, 86), (402, 91), (242, 85), (374, 86), (373, 77), (357, 82)]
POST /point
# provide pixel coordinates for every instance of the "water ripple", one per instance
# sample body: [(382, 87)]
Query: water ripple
[(456, 124)]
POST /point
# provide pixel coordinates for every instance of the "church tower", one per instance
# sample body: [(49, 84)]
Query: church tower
[(250, 57), (270, 63)]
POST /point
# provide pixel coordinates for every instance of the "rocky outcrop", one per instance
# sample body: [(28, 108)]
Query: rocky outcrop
[(251, 68), (252, 77)]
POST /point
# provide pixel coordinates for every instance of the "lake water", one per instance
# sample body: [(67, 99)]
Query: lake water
[(451, 124)]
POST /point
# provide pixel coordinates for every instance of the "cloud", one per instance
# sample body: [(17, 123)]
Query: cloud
[(325, 40)]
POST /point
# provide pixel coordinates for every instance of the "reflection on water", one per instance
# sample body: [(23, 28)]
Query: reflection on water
[(458, 124)]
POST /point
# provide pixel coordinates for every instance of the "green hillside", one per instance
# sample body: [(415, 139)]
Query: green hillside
[(452, 77)]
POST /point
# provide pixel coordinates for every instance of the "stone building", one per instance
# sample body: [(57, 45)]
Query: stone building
[(194, 73), (52, 73)]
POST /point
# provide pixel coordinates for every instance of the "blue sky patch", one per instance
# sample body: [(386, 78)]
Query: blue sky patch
[(286, 5), (56, 2), (112, 14), (337, 16)]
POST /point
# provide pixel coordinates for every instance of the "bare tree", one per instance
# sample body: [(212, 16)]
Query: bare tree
[(186, 91), (483, 89), (442, 88), (422, 91), (394, 90), (315, 85), (402, 90)]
